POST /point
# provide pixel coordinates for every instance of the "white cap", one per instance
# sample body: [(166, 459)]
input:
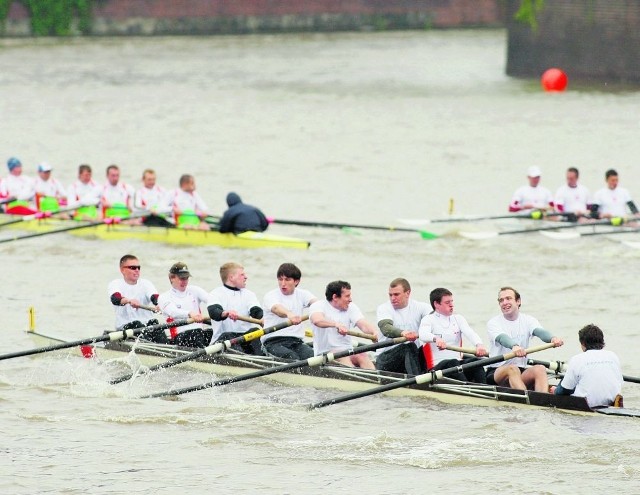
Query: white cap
[(534, 171), (44, 167)]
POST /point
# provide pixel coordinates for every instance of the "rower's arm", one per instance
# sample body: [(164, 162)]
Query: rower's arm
[(505, 341), (388, 330)]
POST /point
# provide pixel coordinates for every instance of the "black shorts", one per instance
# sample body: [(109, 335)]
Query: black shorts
[(491, 371)]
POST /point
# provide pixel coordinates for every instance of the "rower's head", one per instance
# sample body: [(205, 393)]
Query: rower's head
[(288, 276), (179, 276), (399, 293), (591, 337), (233, 275), (509, 301), (187, 183), (533, 174), (338, 293), (149, 178), (130, 268), (14, 165), (611, 176), (84, 173), (572, 176), (113, 175), (441, 300), (44, 171)]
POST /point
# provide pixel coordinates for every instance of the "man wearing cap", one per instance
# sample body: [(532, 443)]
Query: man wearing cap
[(533, 196), (183, 301), (84, 194), (131, 296), (20, 188), (49, 191), (231, 300)]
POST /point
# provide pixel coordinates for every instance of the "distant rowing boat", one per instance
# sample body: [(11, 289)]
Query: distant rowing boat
[(121, 231), (343, 378)]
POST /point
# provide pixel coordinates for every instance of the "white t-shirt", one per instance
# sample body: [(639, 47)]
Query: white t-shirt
[(538, 196), (328, 339), (121, 193), (142, 291), (407, 318), (612, 201), (80, 193), (152, 198), (595, 375), (296, 303), (572, 199), (520, 330), (20, 187), (178, 304), (52, 188), (448, 328), (183, 201), (241, 300)]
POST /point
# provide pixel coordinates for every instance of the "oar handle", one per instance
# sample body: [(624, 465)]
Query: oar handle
[(248, 319), (362, 335), (465, 350), (153, 309)]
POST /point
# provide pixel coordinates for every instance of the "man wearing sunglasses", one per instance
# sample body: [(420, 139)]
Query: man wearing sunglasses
[(131, 297)]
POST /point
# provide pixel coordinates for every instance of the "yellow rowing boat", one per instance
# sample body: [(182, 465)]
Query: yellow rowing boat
[(172, 235)]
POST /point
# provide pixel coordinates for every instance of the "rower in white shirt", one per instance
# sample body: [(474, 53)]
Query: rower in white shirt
[(19, 187), (532, 196), (189, 209), (116, 199), (573, 198), (183, 301), (443, 328), (153, 198), (84, 194), (612, 201), (50, 192)]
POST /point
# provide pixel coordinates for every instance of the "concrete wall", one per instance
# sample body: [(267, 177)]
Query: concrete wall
[(169, 17), (595, 40)]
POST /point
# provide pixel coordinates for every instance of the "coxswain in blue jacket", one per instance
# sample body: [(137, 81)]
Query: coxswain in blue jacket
[(241, 217)]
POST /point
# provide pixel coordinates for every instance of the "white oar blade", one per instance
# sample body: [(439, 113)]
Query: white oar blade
[(478, 236), (561, 236)]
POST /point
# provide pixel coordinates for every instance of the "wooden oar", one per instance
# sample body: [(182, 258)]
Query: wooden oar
[(425, 378), (111, 336), (353, 333), (36, 216), (210, 350), (306, 223), (560, 367), (491, 234), (465, 350), (314, 361), (106, 221)]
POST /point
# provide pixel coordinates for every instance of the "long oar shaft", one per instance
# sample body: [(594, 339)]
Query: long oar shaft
[(209, 350), (425, 378), (314, 361), (111, 336), (305, 223)]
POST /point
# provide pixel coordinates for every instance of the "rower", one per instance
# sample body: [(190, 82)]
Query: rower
[(331, 320), (117, 197), (532, 196), (189, 209), (511, 331), (84, 194), (573, 198), (153, 198), (20, 187), (230, 300), (400, 316), (443, 328), (49, 191), (288, 302), (613, 200)]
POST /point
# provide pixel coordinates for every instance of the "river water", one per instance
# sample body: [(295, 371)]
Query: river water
[(347, 128)]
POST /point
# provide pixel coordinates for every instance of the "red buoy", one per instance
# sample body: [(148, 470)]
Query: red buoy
[(554, 80)]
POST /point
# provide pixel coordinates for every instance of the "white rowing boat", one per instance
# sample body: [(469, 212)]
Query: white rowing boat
[(338, 377)]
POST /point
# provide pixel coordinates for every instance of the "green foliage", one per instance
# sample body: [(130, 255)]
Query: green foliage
[(528, 12), (54, 17)]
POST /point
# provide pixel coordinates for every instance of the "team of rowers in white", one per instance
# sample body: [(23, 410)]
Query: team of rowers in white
[(430, 329), (91, 200), (573, 201)]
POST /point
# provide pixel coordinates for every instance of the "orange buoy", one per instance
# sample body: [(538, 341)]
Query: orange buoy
[(554, 80)]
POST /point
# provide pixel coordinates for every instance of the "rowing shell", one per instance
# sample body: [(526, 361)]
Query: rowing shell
[(343, 378), (122, 231)]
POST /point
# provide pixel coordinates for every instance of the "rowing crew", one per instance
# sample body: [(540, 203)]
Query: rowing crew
[(433, 331), (573, 201), (89, 200)]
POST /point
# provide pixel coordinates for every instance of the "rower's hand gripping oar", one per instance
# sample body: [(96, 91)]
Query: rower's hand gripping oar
[(212, 349), (426, 377), (313, 361), (111, 337)]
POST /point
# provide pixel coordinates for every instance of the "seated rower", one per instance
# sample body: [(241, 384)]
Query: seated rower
[(189, 209), (241, 217), (152, 198), (116, 200), (84, 195), (229, 301), (20, 188), (443, 328), (572, 200), (332, 318), (594, 374), (183, 301), (50, 193), (511, 331)]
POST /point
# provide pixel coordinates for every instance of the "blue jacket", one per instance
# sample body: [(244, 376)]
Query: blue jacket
[(241, 217)]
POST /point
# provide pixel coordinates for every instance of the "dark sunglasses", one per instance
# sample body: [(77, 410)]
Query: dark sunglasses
[(132, 267)]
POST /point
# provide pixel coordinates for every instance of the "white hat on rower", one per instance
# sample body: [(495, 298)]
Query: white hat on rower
[(534, 171), (44, 167)]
